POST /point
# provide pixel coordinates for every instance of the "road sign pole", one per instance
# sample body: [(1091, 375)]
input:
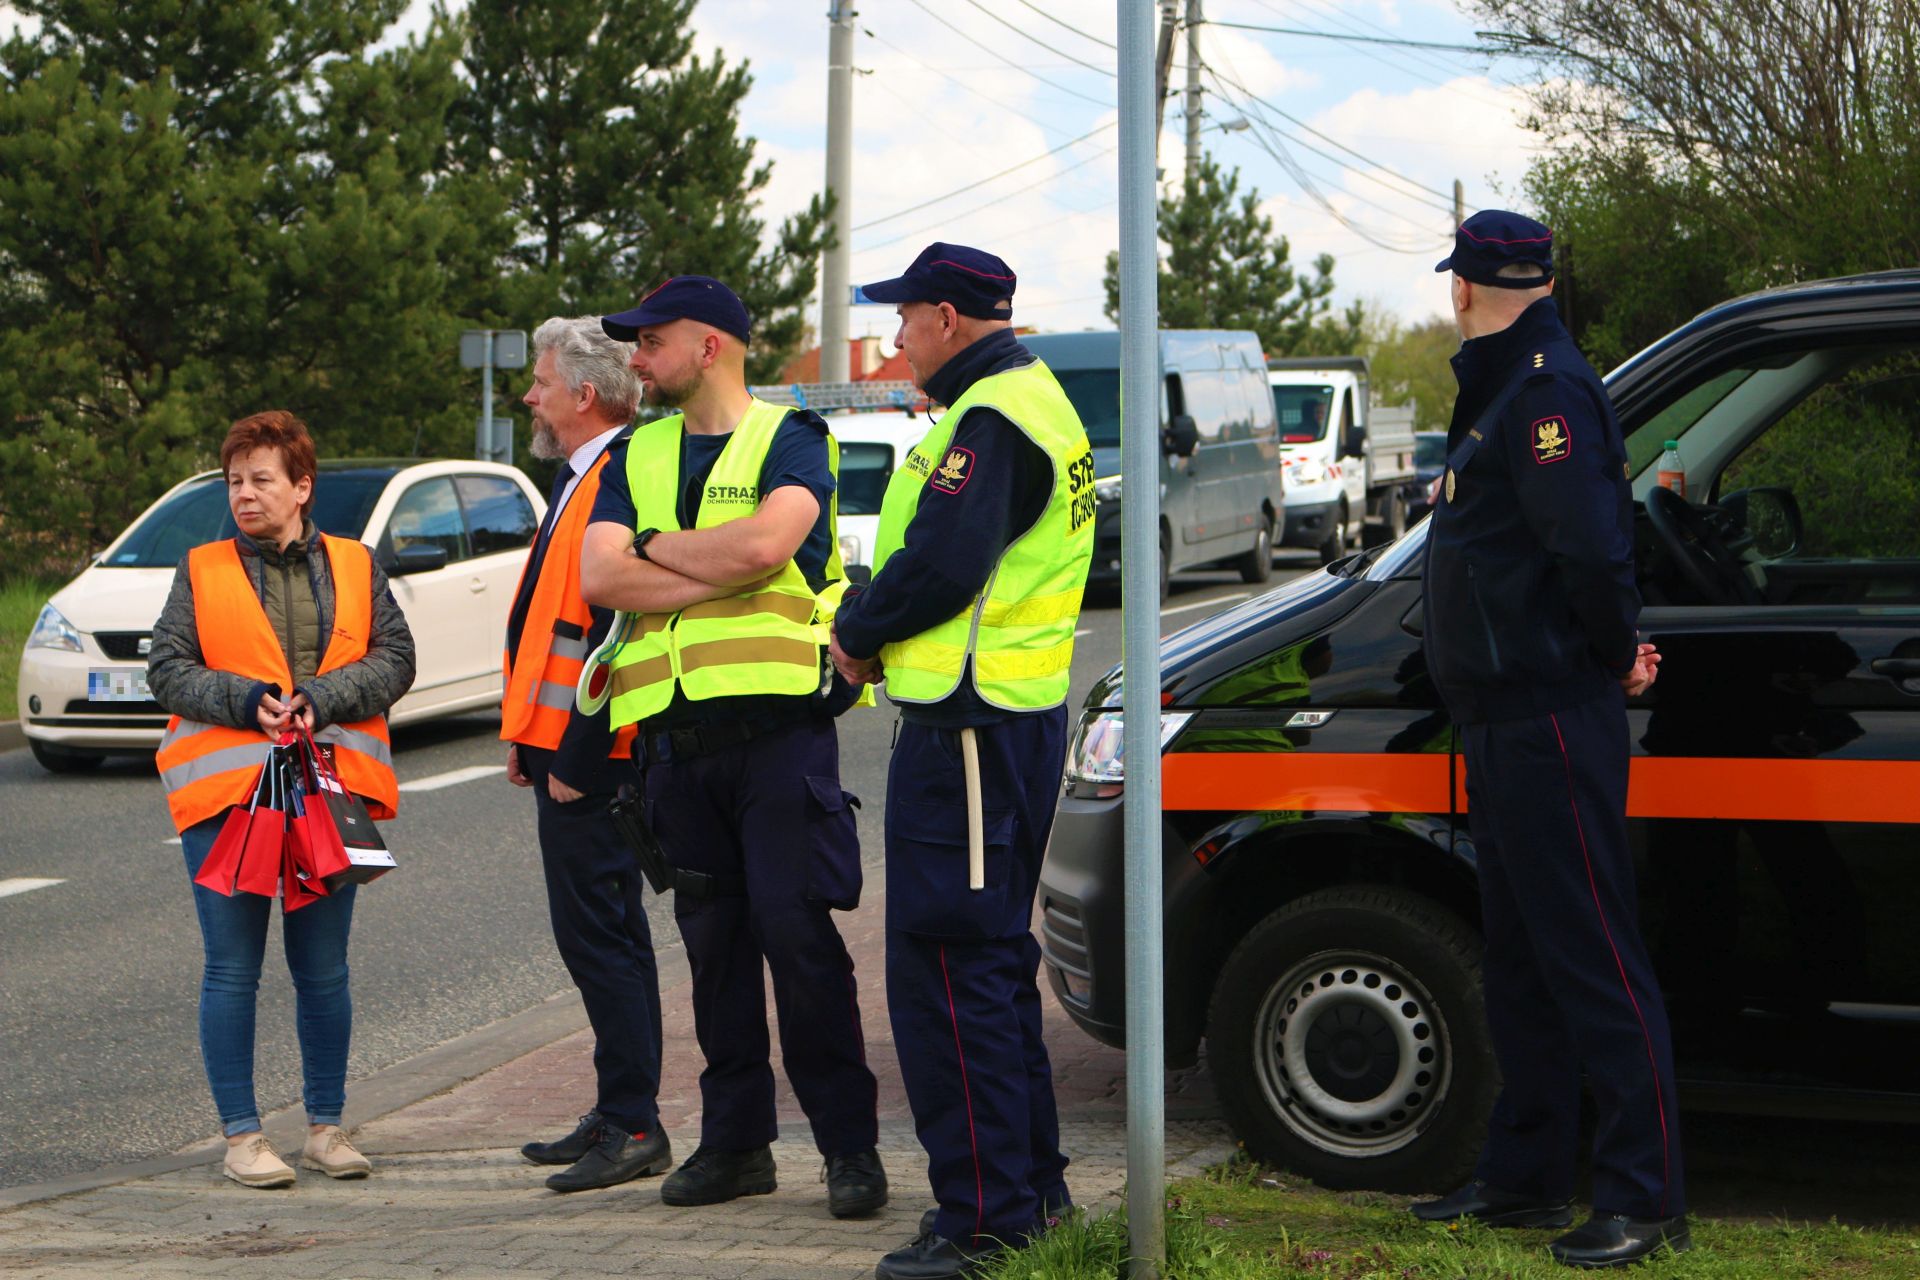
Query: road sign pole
[(1140, 621), (484, 442)]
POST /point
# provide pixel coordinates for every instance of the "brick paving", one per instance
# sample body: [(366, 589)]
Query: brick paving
[(450, 1197)]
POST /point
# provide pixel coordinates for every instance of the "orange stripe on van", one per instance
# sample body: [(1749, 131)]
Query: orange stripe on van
[(1885, 791)]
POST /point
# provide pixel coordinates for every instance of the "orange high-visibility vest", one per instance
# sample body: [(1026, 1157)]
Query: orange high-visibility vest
[(207, 768), (553, 641)]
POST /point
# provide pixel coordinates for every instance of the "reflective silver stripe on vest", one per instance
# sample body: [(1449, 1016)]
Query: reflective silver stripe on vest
[(565, 648), (555, 695), (246, 755), (182, 731), (365, 743)]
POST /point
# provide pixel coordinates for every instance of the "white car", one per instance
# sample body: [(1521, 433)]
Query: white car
[(871, 446), (452, 536)]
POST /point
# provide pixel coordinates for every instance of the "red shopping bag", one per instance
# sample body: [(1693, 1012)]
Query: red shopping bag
[(342, 832), (222, 866), (301, 879), (264, 851)]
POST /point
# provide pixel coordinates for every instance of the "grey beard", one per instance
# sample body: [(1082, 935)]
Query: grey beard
[(545, 444)]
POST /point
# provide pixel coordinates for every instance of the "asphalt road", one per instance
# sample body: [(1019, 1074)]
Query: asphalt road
[(99, 974)]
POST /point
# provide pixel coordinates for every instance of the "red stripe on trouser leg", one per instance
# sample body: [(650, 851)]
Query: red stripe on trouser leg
[(966, 1090), (1666, 1164)]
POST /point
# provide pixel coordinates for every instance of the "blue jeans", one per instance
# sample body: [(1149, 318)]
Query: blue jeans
[(234, 932)]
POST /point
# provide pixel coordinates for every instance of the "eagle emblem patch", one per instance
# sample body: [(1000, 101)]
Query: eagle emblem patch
[(952, 475), (1551, 441)]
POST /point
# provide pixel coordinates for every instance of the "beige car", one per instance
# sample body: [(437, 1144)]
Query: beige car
[(452, 536)]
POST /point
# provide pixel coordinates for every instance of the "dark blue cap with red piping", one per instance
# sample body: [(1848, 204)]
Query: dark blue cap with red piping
[(1495, 238), (700, 298), (975, 282)]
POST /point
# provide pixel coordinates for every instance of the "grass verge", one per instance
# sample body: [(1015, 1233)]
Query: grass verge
[(1240, 1221), (20, 602)]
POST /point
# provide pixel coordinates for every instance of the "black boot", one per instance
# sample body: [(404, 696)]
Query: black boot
[(712, 1176), (1495, 1208), (617, 1157), (569, 1148), (934, 1257), (1615, 1240), (856, 1184)]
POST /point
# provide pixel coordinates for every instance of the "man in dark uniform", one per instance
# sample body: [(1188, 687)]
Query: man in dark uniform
[(1530, 635), (714, 526), (583, 396), (979, 566)]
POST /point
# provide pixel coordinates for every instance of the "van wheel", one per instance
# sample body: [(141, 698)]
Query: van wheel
[(1257, 565), (1348, 1041), (1336, 542), (63, 760)]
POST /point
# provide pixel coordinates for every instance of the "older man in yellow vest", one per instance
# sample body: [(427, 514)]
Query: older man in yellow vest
[(985, 537), (714, 529)]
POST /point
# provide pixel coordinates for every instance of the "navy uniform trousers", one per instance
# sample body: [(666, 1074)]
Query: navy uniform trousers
[(961, 972), (600, 927), (1568, 982), (769, 812)]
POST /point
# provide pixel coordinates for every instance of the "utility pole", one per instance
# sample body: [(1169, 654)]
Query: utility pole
[(1459, 203), (836, 263), (1194, 19), (1163, 71)]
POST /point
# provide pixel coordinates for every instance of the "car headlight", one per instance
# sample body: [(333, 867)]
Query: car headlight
[(51, 631), (850, 549), (1098, 753), (1307, 472), (1107, 489)]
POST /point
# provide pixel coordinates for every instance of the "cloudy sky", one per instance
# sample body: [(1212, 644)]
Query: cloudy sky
[(1353, 144)]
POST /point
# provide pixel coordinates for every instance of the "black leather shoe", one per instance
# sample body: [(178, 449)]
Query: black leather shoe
[(569, 1148), (1615, 1240), (856, 1184), (712, 1176), (933, 1257), (1495, 1208), (615, 1158)]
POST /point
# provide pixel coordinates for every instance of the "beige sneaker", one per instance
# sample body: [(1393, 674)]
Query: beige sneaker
[(254, 1163), (329, 1151)]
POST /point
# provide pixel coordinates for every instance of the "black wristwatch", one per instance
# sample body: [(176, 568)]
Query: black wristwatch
[(640, 541)]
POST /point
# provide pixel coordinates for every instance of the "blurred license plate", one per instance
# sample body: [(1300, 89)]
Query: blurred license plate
[(126, 684)]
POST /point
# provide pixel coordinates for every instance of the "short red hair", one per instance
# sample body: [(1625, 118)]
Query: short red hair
[(279, 430)]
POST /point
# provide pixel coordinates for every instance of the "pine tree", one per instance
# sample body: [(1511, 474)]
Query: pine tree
[(621, 156), (1225, 269), (210, 207)]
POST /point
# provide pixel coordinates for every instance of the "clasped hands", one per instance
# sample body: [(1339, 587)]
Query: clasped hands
[(1646, 669), (276, 717), (855, 671)]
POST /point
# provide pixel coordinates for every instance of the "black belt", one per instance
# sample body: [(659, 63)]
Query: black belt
[(663, 746)]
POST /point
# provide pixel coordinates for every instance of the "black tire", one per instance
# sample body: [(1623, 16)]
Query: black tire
[(1393, 1093), (1256, 566), (1336, 544), (63, 759)]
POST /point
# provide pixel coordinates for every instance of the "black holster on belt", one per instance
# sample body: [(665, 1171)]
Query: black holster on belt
[(660, 872)]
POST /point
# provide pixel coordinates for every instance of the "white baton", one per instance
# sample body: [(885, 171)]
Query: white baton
[(976, 820)]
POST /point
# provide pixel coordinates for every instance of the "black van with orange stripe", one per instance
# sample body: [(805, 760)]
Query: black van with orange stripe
[(1321, 910)]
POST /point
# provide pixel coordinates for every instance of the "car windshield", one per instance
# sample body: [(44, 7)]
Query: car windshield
[(1429, 449), (865, 469), (342, 501), (1096, 398), (1304, 412)]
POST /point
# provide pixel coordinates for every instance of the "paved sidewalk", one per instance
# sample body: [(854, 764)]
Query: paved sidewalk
[(451, 1198)]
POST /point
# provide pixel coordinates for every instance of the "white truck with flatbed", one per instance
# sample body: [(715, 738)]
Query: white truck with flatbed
[(1348, 463)]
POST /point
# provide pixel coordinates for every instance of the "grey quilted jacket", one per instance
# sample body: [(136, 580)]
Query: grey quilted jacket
[(184, 685)]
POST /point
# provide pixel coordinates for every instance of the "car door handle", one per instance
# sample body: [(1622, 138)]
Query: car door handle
[(476, 585), (1896, 668)]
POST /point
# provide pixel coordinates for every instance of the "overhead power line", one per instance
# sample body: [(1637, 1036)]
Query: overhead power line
[(981, 208), (1027, 35), (1058, 22), (994, 177), (1351, 38), (1000, 57)]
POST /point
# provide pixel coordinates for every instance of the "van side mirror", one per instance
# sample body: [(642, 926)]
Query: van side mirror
[(1356, 441), (422, 558), (1182, 436)]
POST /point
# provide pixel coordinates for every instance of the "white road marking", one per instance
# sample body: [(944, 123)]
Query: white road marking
[(1206, 604), (25, 884), (175, 840), (453, 778), (1084, 631)]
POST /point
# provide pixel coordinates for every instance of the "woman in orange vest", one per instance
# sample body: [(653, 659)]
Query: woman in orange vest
[(278, 625)]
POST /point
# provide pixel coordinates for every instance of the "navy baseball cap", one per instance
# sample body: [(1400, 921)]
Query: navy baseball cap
[(1495, 238), (976, 283), (699, 298)]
